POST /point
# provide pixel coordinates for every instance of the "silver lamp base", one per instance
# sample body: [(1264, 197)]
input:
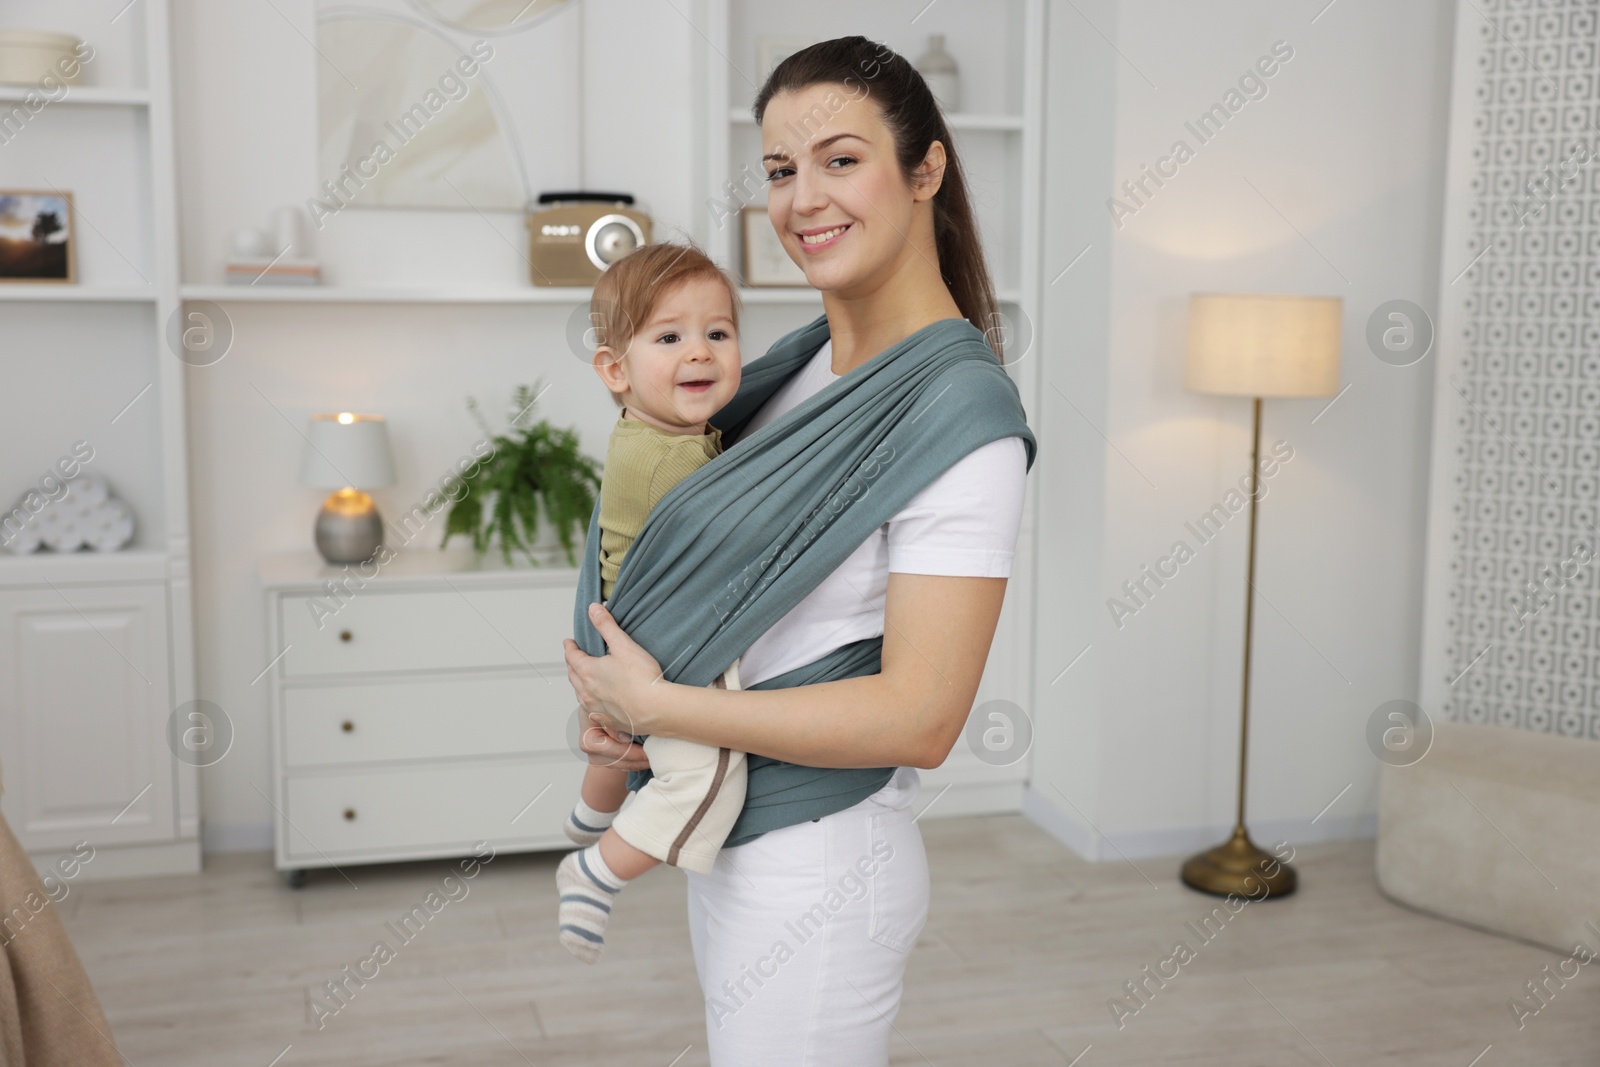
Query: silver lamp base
[(349, 529)]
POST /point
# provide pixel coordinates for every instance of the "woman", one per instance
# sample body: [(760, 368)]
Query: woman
[(801, 936)]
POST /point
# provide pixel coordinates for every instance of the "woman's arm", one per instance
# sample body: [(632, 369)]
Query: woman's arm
[(937, 633)]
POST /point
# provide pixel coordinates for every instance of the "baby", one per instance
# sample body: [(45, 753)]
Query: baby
[(667, 322)]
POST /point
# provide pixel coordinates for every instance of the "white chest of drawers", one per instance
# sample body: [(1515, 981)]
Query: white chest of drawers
[(417, 708)]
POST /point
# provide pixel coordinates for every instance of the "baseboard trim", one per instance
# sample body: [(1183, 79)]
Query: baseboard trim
[(235, 837), (1054, 820), (1181, 841), (968, 798), (995, 798), (111, 862), (962, 798)]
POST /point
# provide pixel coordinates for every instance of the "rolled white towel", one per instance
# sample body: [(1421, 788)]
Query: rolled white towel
[(110, 526), (64, 536), (90, 489)]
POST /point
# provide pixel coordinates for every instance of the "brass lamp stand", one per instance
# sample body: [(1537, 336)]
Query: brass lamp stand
[(1238, 865), (1256, 345)]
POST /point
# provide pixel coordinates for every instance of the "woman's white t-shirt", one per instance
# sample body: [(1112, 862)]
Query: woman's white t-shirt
[(964, 522)]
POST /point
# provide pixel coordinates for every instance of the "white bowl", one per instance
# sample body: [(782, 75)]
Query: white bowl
[(26, 56)]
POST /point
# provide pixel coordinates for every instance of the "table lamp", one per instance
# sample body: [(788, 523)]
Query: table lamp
[(349, 454), (1256, 345)]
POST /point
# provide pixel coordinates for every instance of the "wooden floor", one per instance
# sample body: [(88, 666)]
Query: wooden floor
[(1024, 946)]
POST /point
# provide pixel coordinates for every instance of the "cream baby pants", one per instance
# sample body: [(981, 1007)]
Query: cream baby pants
[(683, 814)]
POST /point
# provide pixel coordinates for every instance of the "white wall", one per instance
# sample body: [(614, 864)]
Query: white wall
[(1329, 184)]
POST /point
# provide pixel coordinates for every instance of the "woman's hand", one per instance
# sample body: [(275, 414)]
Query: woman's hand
[(613, 691), (604, 750)]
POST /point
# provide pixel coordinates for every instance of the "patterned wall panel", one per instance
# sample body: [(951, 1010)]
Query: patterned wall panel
[(1522, 604)]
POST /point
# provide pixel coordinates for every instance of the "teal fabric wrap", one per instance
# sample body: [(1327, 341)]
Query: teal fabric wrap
[(738, 543)]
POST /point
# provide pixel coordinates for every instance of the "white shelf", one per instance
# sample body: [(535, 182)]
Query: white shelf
[(80, 95), (54, 293), (774, 294), (801, 294), (339, 294), (956, 120), (409, 566), (44, 567)]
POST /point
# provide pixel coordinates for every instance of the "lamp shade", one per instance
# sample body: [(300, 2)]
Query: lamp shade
[(346, 449), (1263, 344)]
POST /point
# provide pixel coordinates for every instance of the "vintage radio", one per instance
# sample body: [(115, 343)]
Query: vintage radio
[(574, 236)]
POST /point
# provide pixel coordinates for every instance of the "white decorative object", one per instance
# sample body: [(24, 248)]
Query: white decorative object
[(21, 540), (86, 515), (282, 257), (415, 113), (110, 527), (291, 237), (938, 69), (64, 536), (26, 56), (250, 243), (91, 489)]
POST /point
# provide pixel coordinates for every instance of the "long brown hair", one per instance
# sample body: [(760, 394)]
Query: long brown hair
[(912, 114)]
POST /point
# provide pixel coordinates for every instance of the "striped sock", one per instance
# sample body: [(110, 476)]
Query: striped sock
[(585, 825), (587, 889)]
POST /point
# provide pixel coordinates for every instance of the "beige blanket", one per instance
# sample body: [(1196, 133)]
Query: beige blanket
[(49, 1016)]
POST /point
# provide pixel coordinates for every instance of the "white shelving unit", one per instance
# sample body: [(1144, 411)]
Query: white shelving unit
[(97, 650), (999, 47), (85, 95), (955, 120), (67, 294), (339, 294)]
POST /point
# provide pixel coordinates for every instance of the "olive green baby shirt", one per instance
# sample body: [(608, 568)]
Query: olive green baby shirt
[(643, 463)]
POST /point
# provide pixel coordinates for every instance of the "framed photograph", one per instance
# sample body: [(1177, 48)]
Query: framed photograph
[(765, 263), (774, 49), (36, 238)]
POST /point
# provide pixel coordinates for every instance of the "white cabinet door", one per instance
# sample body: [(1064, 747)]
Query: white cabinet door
[(84, 695)]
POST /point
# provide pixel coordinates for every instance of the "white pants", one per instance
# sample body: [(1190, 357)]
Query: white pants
[(801, 937)]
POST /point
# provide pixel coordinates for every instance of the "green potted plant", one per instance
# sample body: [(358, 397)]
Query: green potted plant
[(534, 467)]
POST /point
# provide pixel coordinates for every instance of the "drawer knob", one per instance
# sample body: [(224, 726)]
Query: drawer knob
[(350, 814), (347, 726), (345, 635)]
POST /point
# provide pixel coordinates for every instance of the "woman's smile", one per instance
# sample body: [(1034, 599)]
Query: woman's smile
[(819, 237)]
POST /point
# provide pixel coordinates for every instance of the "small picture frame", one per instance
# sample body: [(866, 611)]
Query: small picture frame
[(37, 242), (773, 49), (765, 263)]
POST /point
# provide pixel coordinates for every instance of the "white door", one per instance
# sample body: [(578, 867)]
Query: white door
[(84, 694)]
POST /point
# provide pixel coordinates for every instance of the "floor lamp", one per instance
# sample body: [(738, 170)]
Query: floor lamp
[(1256, 345)]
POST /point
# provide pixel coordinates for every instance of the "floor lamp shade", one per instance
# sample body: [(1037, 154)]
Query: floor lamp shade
[(1264, 344), (349, 454)]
